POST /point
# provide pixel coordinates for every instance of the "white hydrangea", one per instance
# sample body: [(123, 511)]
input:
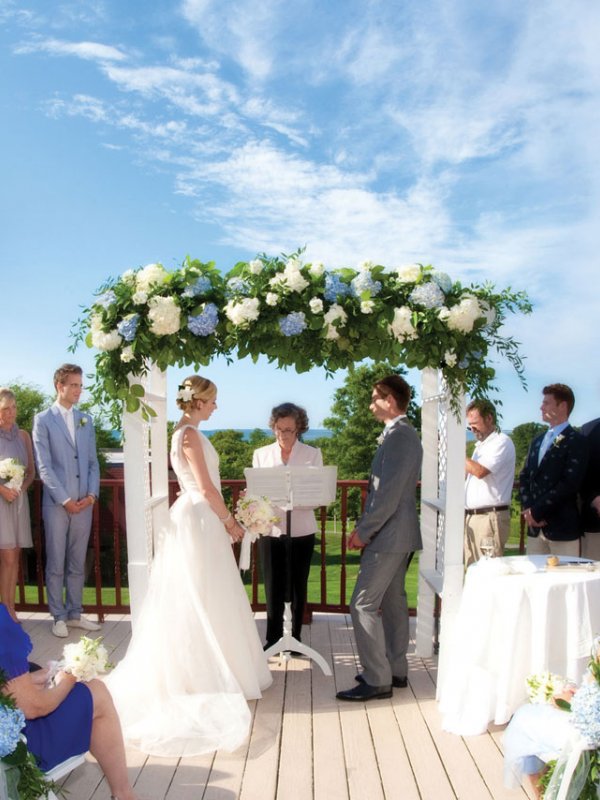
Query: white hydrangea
[(401, 326), (127, 354), (271, 299), (316, 305), (336, 313), (316, 269), (367, 306), (139, 298), (408, 273), (256, 266), (462, 317), (291, 278), (152, 274), (102, 340), (242, 311), (164, 316)]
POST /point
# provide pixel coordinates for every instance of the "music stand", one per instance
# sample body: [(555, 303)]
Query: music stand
[(289, 487)]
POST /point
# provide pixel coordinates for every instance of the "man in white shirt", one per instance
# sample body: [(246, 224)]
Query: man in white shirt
[(64, 444), (489, 482)]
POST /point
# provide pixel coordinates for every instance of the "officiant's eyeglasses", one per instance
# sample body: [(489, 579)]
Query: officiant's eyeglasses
[(285, 430)]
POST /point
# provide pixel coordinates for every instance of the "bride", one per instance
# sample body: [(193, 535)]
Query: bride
[(195, 656)]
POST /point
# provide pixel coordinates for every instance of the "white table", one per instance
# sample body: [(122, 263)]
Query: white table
[(509, 626)]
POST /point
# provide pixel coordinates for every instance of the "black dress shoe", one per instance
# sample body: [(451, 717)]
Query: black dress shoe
[(364, 692), (397, 683)]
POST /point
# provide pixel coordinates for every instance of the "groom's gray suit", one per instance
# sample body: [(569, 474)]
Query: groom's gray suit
[(389, 527), (69, 470)]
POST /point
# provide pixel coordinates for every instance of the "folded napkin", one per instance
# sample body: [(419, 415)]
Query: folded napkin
[(520, 565)]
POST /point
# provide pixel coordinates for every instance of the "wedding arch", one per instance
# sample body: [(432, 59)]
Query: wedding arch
[(301, 315)]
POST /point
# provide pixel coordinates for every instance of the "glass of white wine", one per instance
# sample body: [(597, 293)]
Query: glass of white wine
[(487, 546)]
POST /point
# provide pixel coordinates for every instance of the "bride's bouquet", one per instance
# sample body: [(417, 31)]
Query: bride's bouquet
[(257, 516), (85, 659), (13, 472)]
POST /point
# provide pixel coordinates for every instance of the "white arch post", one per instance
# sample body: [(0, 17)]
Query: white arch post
[(146, 484), (441, 568)]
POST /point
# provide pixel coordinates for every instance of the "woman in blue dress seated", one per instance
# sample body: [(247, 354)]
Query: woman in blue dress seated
[(66, 720)]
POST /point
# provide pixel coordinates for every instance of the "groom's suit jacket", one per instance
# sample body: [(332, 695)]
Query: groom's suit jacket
[(68, 469), (550, 488), (389, 523)]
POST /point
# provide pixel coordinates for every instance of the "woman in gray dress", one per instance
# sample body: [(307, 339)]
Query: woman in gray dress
[(15, 527)]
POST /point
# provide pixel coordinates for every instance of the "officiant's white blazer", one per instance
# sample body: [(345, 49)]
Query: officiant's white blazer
[(302, 455)]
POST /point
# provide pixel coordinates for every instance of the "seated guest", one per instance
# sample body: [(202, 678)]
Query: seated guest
[(67, 719)]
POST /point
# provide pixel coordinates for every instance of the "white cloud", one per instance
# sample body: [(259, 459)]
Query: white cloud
[(90, 51)]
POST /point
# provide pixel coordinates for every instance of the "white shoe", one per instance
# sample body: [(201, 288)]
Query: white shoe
[(84, 623), (60, 629)]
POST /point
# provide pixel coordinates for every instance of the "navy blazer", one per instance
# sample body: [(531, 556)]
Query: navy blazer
[(590, 487), (550, 488)]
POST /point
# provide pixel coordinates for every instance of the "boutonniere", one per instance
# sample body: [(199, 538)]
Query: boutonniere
[(83, 422), (380, 438), (558, 439)]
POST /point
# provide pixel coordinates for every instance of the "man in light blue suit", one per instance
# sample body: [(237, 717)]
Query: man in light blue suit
[(388, 533), (64, 444)]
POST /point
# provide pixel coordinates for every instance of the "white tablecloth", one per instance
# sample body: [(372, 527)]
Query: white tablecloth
[(515, 618)]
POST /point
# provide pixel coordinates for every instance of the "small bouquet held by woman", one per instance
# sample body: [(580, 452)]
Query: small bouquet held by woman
[(13, 472), (257, 516), (85, 660)]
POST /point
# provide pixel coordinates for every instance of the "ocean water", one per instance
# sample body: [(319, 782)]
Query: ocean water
[(312, 433)]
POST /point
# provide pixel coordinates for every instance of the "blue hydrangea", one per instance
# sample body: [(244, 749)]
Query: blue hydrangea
[(205, 323), (335, 287), (293, 324), (201, 285), (427, 294), (106, 299), (12, 721), (585, 706), (237, 286), (443, 281), (127, 327), (364, 283)]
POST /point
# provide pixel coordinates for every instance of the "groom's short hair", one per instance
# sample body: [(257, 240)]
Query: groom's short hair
[(62, 373), (397, 387)]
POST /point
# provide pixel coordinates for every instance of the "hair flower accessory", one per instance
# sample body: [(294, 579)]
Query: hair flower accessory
[(185, 393)]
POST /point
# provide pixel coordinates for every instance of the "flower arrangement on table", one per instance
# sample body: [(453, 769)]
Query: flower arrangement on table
[(13, 472), (296, 314), (257, 516), (584, 708), (23, 778)]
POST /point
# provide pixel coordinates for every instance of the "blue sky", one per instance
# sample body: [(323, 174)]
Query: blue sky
[(459, 133)]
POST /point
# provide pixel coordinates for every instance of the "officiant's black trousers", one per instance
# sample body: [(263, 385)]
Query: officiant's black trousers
[(274, 566)]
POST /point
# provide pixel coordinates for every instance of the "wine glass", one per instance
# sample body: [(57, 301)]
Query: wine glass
[(487, 545)]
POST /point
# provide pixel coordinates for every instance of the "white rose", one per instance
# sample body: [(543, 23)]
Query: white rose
[(128, 276), (317, 269), (401, 326), (408, 273), (291, 278), (335, 313), (443, 313), (242, 312), (152, 274), (164, 316), (450, 358), (367, 306), (271, 299), (256, 266), (139, 298), (316, 305), (365, 265), (127, 354)]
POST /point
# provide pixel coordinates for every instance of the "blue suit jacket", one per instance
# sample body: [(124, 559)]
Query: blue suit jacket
[(550, 488), (67, 470), (390, 523)]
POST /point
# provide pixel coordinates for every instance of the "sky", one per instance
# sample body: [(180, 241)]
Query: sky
[(448, 132)]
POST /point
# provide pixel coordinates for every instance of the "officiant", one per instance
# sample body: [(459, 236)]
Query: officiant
[(288, 423)]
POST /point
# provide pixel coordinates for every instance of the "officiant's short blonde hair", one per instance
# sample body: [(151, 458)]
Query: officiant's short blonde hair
[(6, 396), (202, 389)]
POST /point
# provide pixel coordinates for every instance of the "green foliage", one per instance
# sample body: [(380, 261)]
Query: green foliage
[(234, 453), (30, 400), (522, 436)]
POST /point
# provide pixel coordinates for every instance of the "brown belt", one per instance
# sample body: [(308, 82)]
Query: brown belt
[(485, 510)]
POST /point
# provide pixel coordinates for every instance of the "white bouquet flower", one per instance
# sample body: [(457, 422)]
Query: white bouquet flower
[(543, 686), (85, 660), (13, 472), (256, 515)]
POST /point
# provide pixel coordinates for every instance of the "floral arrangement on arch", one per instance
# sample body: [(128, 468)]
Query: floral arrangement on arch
[(298, 315)]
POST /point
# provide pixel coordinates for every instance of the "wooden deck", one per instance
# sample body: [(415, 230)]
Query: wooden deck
[(305, 745)]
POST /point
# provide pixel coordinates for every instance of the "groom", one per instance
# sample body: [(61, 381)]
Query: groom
[(65, 452), (388, 534)]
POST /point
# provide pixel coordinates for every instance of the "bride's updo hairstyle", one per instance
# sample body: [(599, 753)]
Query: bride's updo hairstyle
[(193, 389)]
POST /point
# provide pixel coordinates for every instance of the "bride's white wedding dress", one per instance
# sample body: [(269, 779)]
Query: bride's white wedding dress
[(195, 655)]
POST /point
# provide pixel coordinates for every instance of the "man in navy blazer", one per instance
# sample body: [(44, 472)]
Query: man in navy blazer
[(551, 478), (65, 452), (388, 533), (590, 493)]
